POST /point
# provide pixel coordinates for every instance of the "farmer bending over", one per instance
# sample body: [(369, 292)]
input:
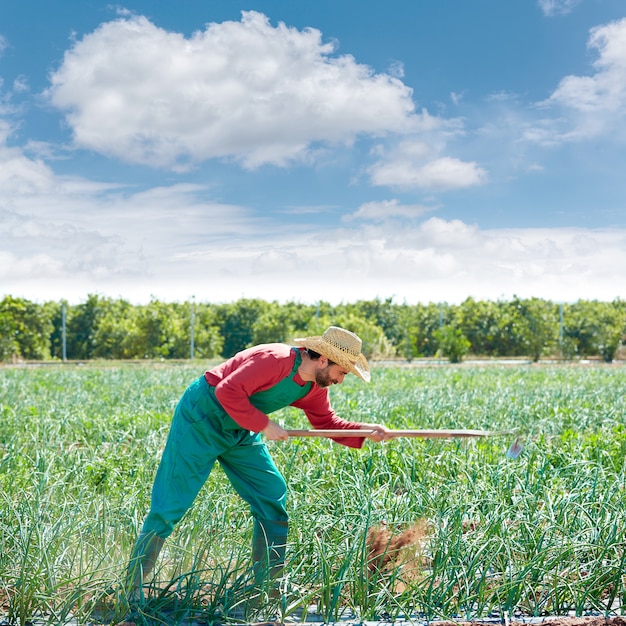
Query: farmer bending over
[(220, 417)]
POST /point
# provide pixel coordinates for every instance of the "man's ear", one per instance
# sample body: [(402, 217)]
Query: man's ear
[(323, 361)]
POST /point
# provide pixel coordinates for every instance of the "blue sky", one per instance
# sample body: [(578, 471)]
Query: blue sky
[(304, 151)]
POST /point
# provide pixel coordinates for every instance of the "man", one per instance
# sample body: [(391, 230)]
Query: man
[(220, 417)]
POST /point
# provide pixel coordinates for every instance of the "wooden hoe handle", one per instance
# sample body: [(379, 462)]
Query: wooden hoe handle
[(422, 434)]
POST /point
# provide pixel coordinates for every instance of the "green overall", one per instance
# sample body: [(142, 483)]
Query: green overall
[(201, 434)]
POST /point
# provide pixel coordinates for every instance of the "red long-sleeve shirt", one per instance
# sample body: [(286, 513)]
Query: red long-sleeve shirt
[(259, 368)]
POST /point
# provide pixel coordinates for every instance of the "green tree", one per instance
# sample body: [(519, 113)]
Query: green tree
[(611, 322), (527, 327), (26, 328), (208, 342), (116, 334), (386, 315), (236, 322), (299, 315), (8, 333), (538, 326), (595, 328), (580, 329), (405, 344), (424, 321), (478, 321), (453, 343), (273, 325), (162, 331), (56, 335), (507, 338), (82, 322)]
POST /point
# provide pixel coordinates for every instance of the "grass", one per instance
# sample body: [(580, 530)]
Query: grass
[(540, 535)]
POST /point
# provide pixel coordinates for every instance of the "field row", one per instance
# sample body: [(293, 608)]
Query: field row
[(435, 528)]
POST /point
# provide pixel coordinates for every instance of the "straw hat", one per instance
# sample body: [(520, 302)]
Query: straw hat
[(342, 347)]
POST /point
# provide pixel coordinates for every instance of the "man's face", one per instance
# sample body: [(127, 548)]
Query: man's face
[(330, 375)]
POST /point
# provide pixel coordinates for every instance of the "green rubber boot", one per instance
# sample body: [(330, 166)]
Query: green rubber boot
[(144, 556)]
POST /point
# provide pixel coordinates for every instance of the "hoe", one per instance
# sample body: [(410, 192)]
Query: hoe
[(512, 453)]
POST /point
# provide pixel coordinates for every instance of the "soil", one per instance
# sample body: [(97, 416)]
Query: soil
[(556, 621)]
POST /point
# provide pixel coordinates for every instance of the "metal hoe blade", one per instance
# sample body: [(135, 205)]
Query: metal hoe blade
[(515, 449)]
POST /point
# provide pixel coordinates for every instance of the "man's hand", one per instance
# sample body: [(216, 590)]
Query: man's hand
[(381, 433), (274, 432)]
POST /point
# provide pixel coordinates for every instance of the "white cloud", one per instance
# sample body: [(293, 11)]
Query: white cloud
[(20, 175), (456, 98), (72, 238), (383, 210), (595, 104), (557, 7), (411, 167), (535, 167), (70, 228), (68, 237), (245, 90), (20, 84), (396, 69)]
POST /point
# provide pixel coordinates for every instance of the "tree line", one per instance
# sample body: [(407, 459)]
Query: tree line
[(106, 328)]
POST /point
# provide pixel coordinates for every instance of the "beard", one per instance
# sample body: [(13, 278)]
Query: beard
[(323, 379)]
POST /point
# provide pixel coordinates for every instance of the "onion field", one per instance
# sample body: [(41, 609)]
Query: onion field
[(410, 528)]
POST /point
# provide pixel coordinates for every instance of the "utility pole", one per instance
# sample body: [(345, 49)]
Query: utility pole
[(192, 317), (439, 349), (63, 333), (561, 329)]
